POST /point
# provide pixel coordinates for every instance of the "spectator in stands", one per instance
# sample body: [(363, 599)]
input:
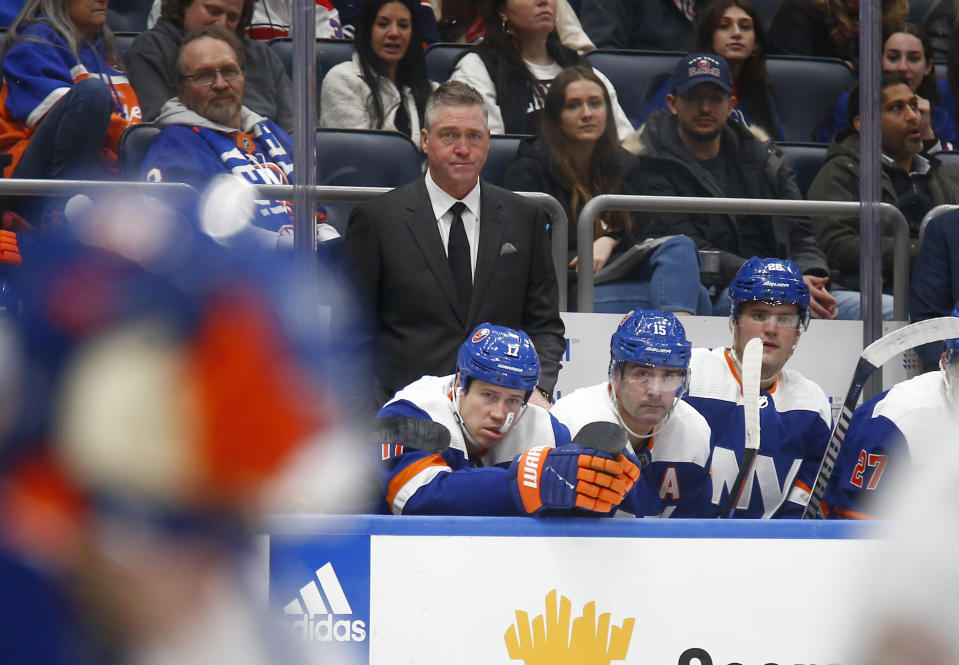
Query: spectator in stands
[(696, 149), (65, 100), (514, 65), (273, 18), (655, 25), (906, 49), (912, 182), (734, 30), (578, 156), (825, 28), (385, 85), (461, 21), (934, 284), (436, 257), (152, 58), (207, 131)]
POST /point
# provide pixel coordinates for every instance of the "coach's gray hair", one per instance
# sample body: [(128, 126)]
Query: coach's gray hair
[(453, 93), (57, 16)]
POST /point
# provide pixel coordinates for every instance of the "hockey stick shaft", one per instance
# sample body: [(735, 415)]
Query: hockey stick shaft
[(873, 357), (752, 363)]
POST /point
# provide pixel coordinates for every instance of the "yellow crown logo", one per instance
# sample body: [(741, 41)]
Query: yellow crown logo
[(549, 641)]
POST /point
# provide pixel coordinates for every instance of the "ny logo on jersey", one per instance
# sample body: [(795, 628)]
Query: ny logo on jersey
[(725, 469)]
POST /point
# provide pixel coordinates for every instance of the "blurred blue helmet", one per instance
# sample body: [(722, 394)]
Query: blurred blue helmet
[(499, 355), (774, 281), (650, 338)]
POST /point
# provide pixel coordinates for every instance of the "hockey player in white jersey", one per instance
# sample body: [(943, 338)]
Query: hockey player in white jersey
[(769, 300), (471, 444), (905, 426), (648, 374)]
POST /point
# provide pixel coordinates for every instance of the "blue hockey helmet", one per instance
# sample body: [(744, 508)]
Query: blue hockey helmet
[(499, 355), (774, 281), (649, 337)]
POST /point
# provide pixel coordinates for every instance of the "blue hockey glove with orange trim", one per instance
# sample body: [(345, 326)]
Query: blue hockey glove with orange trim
[(546, 479)]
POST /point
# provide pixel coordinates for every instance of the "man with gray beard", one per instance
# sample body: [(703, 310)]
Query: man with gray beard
[(207, 131)]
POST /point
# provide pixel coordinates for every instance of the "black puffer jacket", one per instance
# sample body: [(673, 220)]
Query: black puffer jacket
[(665, 168)]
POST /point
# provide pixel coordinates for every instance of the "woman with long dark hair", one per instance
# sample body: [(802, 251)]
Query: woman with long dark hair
[(516, 62), (578, 156), (65, 100), (907, 49), (734, 30), (385, 85)]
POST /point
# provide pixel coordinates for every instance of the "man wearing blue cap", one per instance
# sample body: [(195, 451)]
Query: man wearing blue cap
[(695, 148)]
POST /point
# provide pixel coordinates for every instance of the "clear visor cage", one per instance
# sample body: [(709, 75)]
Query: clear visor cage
[(511, 418), (677, 384), (949, 364)]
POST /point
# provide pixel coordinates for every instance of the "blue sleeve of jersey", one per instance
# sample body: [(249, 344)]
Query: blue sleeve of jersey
[(816, 436), (33, 69), (697, 494), (439, 484), (181, 156), (560, 432), (862, 463), (643, 500)]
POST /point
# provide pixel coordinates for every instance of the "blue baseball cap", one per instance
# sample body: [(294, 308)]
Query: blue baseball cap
[(699, 68)]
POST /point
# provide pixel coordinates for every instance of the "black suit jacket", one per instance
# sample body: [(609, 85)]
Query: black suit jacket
[(399, 265)]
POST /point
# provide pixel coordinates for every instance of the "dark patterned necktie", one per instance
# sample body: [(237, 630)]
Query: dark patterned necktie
[(458, 252)]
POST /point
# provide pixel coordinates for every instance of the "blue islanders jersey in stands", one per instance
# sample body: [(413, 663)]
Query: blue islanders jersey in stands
[(904, 426), (678, 471), (44, 69), (794, 423), (453, 482)]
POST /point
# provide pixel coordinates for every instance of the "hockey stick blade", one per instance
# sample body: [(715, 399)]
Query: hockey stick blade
[(752, 366), (425, 435), (872, 358), (607, 437)]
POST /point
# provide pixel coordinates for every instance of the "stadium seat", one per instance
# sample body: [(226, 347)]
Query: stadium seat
[(630, 73), (329, 52), (362, 158), (805, 159), (439, 60), (128, 15), (123, 40), (502, 153), (805, 88), (134, 143), (948, 157)]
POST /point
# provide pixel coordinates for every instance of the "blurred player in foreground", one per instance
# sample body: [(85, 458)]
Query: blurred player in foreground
[(165, 381), (907, 425), (648, 375), (472, 444), (769, 300)]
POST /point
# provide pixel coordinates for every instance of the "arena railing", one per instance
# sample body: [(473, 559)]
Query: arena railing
[(932, 214), (340, 194), (60, 188), (673, 204)]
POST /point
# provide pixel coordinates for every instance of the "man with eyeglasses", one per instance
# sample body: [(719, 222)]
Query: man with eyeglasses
[(648, 375), (770, 301), (699, 146), (207, 131)]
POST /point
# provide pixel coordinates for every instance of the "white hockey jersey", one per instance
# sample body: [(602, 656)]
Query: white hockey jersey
[(678, 469)]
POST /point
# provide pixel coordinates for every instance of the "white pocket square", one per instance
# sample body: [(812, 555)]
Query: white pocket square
[(507, 248)]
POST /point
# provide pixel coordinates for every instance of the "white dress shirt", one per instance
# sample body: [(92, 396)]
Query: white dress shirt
[(442, 202)]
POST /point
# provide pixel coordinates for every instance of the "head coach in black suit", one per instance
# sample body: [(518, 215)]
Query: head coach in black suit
[(435, 258)]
